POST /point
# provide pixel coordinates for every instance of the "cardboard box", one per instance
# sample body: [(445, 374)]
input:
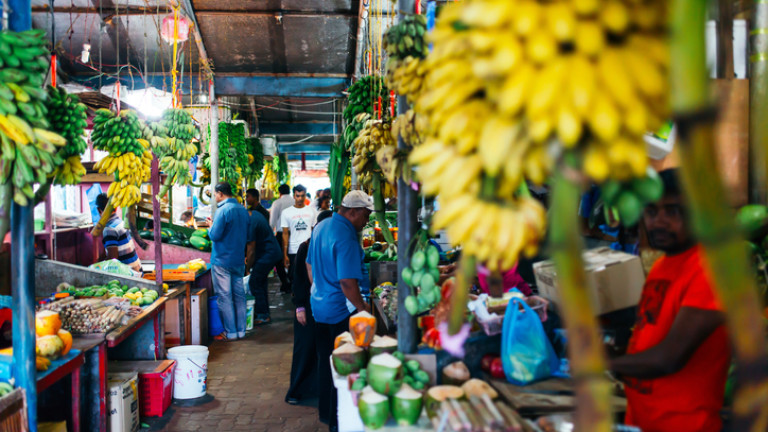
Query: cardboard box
[(616, 279), (123, 403)]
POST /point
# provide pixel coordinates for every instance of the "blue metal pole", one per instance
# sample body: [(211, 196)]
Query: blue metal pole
[(22, 268)]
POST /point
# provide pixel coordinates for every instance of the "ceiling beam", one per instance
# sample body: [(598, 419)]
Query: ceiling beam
[(309, 157), (304, 148), (298, 129), (117, 32), (146, 10), (227, 85)]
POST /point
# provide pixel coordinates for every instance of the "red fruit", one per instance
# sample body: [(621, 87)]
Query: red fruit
[(497, 369), (485, 363)]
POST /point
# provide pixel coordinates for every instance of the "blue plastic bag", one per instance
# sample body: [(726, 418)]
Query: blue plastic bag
[(526, 353)]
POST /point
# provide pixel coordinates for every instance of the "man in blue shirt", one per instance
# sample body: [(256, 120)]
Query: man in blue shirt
[(229, 233), (335, 266)]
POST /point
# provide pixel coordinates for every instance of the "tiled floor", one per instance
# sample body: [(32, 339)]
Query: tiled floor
[(248, 380)]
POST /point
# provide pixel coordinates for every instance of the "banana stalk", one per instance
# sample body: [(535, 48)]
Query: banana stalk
[(42, 191), (464, 277), (98, 229), (711, 219), (131, 216), (378, 205), (593, 391)]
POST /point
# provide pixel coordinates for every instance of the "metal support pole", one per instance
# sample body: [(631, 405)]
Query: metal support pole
[(758, 103), (156, 213), (214, 145), (408, 203), (23, 268)]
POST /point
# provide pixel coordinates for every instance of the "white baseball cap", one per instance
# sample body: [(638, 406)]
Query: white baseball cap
[(357, 199)]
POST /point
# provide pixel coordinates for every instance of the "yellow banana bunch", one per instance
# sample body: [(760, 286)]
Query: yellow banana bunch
[(130, 172), (406, 77), (410, 127), (270, 181), (375, 136), (70, 172), (510, 85)]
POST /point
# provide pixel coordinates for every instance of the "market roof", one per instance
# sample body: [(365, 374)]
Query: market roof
[(287, 61)]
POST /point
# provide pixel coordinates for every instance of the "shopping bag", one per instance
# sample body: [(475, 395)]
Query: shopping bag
[(526, 353)]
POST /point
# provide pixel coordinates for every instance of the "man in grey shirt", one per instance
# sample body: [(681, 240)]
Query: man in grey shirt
[(285, 201)]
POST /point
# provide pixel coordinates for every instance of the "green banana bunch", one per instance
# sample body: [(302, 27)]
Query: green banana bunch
[(363, 94), (28, 150), (422, 274), (233, 155), (67, 117), (117, 134), (628, 199), (406, 38), (178, 123), (255, 168)]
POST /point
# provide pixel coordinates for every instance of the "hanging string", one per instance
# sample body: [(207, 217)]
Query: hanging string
[(115, 22), (175, 47), (53, 46)]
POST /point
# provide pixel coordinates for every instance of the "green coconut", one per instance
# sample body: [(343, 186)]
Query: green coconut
[(381, 345), (348, 358), (406, 406), (456, 373), (476, 387), (373, 408), (385, 374), (436, 395)]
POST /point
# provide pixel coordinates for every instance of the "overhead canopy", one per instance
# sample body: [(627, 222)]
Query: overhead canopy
[(286, 61)]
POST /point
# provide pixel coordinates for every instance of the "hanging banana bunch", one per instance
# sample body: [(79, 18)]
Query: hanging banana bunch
[(406, 47), (375, 137), (129, 158), (172, 143), (270, 181), (363, 95), (255, 160), (28, 150), (67, 117), (510, 85)]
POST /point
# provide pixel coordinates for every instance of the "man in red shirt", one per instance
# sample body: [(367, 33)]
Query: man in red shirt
[(678, 358)]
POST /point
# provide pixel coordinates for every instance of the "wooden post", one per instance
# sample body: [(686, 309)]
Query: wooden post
[(214, 145), (157, 221)]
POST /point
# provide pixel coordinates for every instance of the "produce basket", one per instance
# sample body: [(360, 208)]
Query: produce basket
[(13, 412)]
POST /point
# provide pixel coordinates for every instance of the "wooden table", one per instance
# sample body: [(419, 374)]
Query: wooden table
[(152, 312)]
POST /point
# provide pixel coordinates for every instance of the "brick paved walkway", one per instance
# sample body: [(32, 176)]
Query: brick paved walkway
[(248, 380)]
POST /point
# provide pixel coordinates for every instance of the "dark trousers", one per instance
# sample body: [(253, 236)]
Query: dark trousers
[(304, 366), (280, 266), (258, 284), (326, 335), (292, 269)]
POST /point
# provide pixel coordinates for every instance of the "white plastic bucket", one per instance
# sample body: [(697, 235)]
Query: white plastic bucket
[(250, 302), (191, 376)]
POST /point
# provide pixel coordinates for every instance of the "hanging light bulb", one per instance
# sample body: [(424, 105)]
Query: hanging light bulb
[(85, 55)]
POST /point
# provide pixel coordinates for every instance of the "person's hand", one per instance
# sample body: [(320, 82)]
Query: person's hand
[(287, 262), (301, 317)]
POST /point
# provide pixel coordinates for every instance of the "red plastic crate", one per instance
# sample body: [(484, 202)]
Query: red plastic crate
[(155, 384), (156, 390)]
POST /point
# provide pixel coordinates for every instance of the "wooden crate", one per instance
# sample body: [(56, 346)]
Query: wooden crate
[(13, 412)]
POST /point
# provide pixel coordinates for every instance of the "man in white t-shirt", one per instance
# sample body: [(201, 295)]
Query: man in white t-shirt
[(285, 201), (297, 223)]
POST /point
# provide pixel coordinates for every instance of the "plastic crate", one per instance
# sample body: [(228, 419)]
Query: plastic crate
[(155, 384)]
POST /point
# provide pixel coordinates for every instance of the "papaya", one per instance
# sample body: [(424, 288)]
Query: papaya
[(66, 338), (47, 323)]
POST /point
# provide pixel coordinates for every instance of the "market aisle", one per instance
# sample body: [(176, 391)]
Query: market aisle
[(248, 380)]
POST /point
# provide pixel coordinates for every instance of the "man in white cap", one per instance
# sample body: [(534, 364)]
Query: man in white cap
[(336, 257)]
